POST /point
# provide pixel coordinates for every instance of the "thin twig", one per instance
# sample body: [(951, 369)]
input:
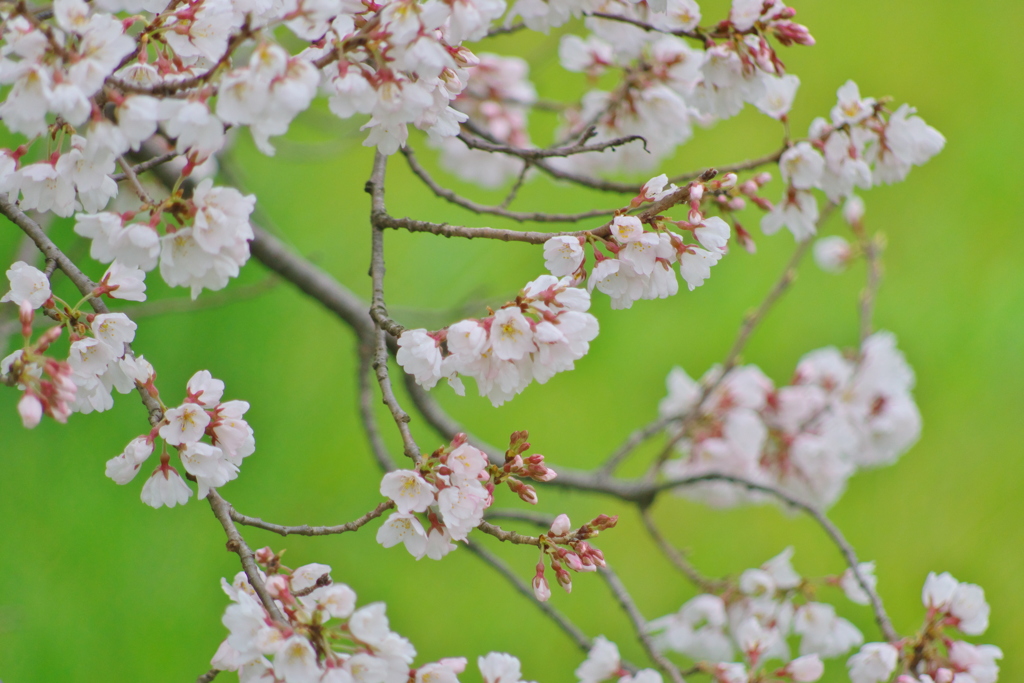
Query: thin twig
[(520, 216), (507, 536), (208, 676), (503, 30), (624, 599), (538, 518), (536, 153), (306, 530), (366, 413), (378, 309), (516, 186), (677, 558), (145, 166), (872, 256), (236, 544), (570, 629)]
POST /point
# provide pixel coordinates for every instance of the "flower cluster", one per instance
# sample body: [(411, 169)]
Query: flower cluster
[(210, 465), (452, 488), (839, 414), (862, 145), (325, 638), (543, 332), (666, 85), (933, 655), (754, 615), (98, 359), (642, 262), (202, 255), (568, 548)]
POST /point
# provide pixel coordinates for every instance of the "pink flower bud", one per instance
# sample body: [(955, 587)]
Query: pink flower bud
[(749, 188), (944, 675), (528, 494), (264, 555), (806, 669), (728, 181), (31, 410), (853, 210), (696, 192), (737, 204), (574, 562), (277, 586), (602, 522), (564, 579), (695, 217), (763, 178), (541, 589), (561, 526), (25, 314)]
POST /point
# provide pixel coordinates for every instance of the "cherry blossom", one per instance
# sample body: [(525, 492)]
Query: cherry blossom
[(28, 285)]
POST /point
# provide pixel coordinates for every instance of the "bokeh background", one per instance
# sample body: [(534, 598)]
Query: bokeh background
[(98, 587)]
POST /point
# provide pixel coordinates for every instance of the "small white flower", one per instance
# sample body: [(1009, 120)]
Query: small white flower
[(403, 528), (873, 664), (563, 255), (165, 487), (185, 424), (27, 284), (123, 468), (410, 491)]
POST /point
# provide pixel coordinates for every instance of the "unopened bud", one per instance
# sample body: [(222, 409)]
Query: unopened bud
[(561, 526), (277, 586), (749, 188), (853, 210), (48, 337), (574, 561), (763, 178), (944, 675), (564, 579), (696, 192), (528, 494), (541, 589), (737, 204), (728, 181), (264, 555), (695, 217), (30, 409), (602, 522), (25, 314)]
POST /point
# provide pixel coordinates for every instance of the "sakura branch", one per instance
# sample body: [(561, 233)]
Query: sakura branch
[(113, 83)]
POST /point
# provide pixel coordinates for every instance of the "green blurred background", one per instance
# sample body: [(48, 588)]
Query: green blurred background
[(98, 587)]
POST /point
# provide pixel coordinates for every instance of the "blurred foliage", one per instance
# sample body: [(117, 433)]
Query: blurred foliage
[(98, 587)]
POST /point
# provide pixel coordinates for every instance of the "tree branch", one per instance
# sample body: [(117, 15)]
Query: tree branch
[(624, 599), (536, 153), (236, 544), (521, 216), (570, 629), (305, 529)]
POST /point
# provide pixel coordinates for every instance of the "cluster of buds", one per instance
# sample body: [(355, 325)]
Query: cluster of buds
[(565, 547), (452, 487), (46, 384)]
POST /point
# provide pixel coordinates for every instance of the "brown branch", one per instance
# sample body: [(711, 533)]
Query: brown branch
[(520, 216), (236, 544), (677, 558), (502, 30), (145, 166), (535, 153), (378, 309), (508, 536), (570, 629), (208, 676), (133, 180), (696, 34), (366, 414), (538, 518), (624, 599), (306, 530)]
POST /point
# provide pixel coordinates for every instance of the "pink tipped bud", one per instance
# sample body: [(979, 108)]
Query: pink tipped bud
[(745, 239), (574, 562), (944, 675), (564, 579), (789, 32), (459, 439), (528, 494), (541, 589), (48, 337), (561, 526), (737, 204), (696, 192), (25, 314), (806, 669), (763, 178), (695, 217), (749, 188), (602, 522), (264, 555), (277, 586), (853, 210), (728, 181), (31, 410)]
